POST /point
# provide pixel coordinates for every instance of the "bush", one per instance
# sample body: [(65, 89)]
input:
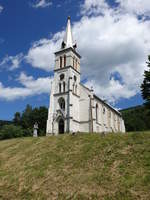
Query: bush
[(27, 132), (11, 131)]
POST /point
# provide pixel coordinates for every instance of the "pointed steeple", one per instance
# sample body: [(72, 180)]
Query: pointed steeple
[(68, 38)]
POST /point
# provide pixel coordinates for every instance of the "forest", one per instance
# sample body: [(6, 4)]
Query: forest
[(136, 118)]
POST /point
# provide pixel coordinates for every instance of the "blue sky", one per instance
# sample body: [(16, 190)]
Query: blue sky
[(113, 59)]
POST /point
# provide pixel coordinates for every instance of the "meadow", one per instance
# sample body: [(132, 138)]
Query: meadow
[(83, 166)]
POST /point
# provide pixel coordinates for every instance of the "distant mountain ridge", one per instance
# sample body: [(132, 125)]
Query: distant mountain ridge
[(5, 122), (131, 108)]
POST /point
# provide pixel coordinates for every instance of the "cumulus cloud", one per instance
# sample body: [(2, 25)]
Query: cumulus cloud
[(30, 87), (94, 7), (110, 42), (138, 7), (38, 86), (42, 3), (41, 54), (115, 42), (113, 91), (11, 62), (1, 8), (118, 46)]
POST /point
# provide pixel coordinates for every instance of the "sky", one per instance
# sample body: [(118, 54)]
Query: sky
[(112, 37)]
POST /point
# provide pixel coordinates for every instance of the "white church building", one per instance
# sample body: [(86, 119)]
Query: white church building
[(73, 106)]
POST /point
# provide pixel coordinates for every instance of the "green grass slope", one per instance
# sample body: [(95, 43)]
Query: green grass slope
[(87, 166)]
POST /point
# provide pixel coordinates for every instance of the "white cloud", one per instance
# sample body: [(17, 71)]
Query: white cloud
[(41, 54), (42, 3), (1, 8), (94, 7), (139, 7), (30, 87), (11, 62), (115, 42), (113, 91), (38, 86), (110, 42), (110, 46)]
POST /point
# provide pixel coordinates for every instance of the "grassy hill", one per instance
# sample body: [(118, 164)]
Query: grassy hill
[(88, 166)]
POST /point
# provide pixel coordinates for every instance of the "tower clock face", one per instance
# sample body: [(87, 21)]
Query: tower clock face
[(62, 77)]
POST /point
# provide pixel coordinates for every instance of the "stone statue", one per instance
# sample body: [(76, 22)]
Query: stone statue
[(35, 128)]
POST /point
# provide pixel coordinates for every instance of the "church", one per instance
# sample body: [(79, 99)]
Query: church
[(73, 106)]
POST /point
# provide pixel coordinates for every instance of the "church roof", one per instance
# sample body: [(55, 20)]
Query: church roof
[(107, 104), (99, 99)]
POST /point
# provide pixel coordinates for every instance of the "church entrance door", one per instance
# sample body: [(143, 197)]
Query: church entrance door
[(61, 126)]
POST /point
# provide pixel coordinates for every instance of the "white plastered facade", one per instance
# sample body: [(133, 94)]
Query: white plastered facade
[(74, 107)]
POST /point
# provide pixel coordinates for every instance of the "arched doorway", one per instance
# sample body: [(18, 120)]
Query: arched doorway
[(61, 126)]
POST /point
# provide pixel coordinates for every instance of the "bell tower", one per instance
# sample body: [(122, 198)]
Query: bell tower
[(63, 113)]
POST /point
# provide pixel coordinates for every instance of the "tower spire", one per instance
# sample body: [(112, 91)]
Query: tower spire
[(68, 38)]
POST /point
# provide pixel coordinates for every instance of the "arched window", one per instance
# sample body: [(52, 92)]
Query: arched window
[(64, 60), (76, 64), (62, 77), (73, 88), (109, 114), (75, 78), (109, 118), (61, 102), (59, 87), (63, 45), (96, 113), (73, 62), (76, 89), (60, 62), (104, 110), (64, 86)]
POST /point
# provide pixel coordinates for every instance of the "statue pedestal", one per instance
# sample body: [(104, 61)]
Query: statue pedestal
[(35, 133), (35, 128)]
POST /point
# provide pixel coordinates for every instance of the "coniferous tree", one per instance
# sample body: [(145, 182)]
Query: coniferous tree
[(145, 87), (28, 118), (17, 118)]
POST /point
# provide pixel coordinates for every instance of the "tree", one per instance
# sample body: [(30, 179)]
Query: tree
[(39, 115), (29, 117), (3, 122), (11, 131), (43, 114), (17, 118), (145, 87), (136, 118), (26, 121)]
